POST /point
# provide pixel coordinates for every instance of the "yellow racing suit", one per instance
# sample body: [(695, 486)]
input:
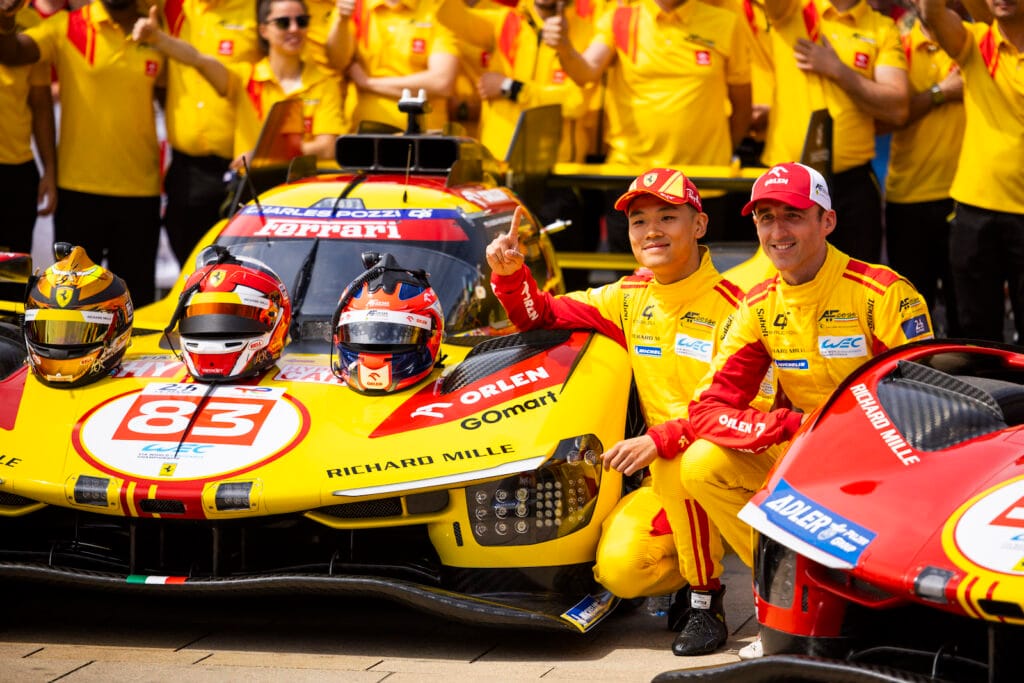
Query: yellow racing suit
[(813, 336), (671, 333)]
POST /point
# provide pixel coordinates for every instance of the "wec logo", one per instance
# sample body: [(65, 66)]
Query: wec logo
[(842, 347), (699, 349)]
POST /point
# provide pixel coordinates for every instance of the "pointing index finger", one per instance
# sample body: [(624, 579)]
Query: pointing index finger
[(513, 227)]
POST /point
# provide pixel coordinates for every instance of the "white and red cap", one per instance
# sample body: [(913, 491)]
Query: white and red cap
[(793, 184), (664, 183)]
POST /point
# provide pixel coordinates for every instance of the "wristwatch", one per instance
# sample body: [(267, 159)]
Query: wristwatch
[(510, 89), (938, 97)]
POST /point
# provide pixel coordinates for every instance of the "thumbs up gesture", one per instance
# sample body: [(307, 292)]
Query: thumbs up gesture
[(147, 29), (555, 32), (503, 254)]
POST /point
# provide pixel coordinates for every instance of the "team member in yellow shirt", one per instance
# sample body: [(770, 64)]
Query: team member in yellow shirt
[(28, 113), (108, 198), (678, 86), (917, 201), (386, 46), (844, 56), (987, 234), (523, 72), (281, 75), (201, 123)]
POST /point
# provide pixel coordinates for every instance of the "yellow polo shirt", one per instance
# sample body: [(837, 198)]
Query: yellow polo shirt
[(762, 76), (321, 13), (108, 141), (923, 156), (516, 50), (667, 97), (254, 89), (864, 40), (199, 121), (989, 174), (15, 82), (397, 41)]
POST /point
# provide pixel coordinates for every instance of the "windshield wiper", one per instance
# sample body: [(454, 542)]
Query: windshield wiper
[(301, 286)]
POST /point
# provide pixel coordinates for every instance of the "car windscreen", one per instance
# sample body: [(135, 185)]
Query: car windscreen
[(316, 271)]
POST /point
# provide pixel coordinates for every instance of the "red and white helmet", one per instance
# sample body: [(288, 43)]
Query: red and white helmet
[(388, 329), (235, 317)]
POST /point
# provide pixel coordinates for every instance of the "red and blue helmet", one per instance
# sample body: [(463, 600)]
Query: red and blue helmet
[(387, 329)]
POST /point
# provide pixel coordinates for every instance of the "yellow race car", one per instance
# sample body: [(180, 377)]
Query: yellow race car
[(471, 485)]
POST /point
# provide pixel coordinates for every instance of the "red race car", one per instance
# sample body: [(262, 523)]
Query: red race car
[(890, 538)]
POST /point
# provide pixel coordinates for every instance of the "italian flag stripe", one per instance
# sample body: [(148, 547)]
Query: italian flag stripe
[(142, 578)]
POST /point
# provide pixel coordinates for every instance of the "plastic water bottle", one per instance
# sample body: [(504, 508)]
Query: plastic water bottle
[(657, 605)]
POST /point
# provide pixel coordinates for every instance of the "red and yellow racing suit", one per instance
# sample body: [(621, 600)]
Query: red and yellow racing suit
[(813, 336), (671, 333)]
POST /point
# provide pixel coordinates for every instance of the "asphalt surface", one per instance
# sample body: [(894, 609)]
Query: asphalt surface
[(78, 636)]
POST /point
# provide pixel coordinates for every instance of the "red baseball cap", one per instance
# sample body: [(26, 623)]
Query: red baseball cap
[(793, 184), (664, 183)]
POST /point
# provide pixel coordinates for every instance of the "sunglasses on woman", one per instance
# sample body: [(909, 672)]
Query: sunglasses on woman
[(301, 21)]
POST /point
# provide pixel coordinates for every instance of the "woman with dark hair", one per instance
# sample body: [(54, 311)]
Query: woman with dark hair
[(281, 75)]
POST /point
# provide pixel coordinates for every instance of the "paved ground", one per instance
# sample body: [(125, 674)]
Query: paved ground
[(52, 635)]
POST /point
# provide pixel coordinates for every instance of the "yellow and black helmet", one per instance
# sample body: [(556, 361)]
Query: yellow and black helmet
[(78, 320)]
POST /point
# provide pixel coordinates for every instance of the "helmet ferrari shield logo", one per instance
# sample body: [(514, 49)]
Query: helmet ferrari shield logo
[(216, 277), (64, 295)]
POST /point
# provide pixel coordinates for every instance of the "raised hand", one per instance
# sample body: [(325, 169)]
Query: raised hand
[(503, 254), (346, 8), (555, 32), (146, 29)]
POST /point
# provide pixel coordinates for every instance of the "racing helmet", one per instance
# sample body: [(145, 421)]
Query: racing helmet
[(387, 328), (78, 320), (233, 320)]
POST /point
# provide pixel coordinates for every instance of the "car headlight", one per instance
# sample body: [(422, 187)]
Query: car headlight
[(930, 584), (538, 506), (91, 491)]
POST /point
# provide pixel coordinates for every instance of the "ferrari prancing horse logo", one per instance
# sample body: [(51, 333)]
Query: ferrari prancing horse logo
[(63, 295)]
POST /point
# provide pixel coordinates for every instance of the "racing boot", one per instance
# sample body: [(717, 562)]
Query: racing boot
[(705, 629), (679, 609)]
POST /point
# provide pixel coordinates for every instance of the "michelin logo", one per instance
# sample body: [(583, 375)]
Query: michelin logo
[(698, 349), (649, 351), (798, 364), (854, 346)]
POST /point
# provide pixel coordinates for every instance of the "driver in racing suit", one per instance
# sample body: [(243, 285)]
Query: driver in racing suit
[(671, 319), (817, 319)]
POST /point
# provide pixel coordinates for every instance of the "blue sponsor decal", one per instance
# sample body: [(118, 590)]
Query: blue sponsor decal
[(651, 351), (915, 327), (815, 524), (800, 364), (590, 610), (326, 213)]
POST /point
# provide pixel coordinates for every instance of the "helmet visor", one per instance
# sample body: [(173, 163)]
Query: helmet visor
[(379, 330), (215, 313), (59, 327)]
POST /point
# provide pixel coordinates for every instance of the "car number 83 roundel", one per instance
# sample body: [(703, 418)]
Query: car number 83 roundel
[(231, 429)]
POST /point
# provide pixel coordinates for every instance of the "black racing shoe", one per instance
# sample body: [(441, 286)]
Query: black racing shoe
[(679, 609), (705, 630)]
